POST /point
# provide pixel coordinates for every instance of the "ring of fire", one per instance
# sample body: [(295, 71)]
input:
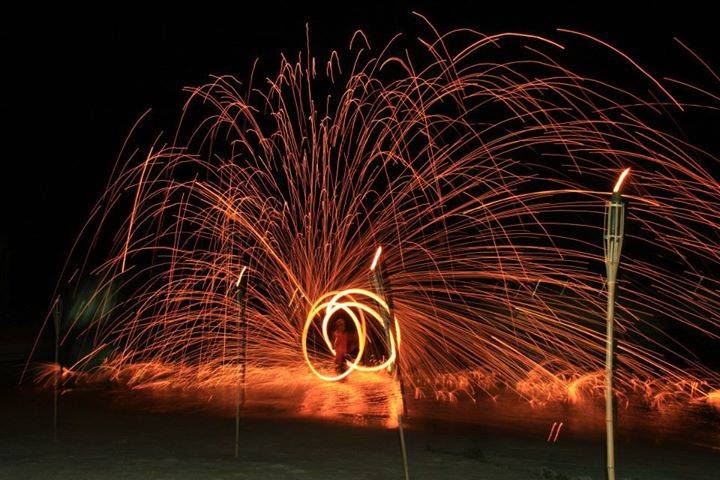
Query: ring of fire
[(345, 300)]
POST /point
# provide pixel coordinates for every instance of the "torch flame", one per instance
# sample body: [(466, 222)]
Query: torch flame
[(620, 180), (242, 272), (376, 258)]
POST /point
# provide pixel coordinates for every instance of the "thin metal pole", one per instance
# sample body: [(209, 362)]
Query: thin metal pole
[(58, 372)]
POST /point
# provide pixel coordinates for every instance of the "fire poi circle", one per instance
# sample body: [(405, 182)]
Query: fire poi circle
[(348, 302)]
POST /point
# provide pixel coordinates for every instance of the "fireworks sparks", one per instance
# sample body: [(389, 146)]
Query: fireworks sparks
[(554, 432), (480, 171)]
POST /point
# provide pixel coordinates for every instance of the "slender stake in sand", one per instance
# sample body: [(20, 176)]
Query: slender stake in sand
[(614, 228), (381, 286), (242, 285), (58, 372)]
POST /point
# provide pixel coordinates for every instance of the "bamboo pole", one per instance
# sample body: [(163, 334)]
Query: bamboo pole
[(381, 285), (609, 376), (614, 231), (242, 285)]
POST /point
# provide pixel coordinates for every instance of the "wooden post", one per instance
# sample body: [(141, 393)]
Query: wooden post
[(614, 230), (242, 285), (381, 285)]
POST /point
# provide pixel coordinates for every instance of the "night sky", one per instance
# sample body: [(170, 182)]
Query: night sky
[(74, 83)]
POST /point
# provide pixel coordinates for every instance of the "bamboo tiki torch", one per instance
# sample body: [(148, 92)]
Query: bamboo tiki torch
[(382, 287), (614, 226)]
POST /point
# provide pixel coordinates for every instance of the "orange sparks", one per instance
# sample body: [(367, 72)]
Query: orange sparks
[(554, 432), (133, 212), (455, 153)]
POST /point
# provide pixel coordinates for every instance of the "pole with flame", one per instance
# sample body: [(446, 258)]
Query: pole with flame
[(614, 229), (382, 287), (242, 287)]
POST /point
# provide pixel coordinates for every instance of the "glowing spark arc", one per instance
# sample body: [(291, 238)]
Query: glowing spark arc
[(134, 210)]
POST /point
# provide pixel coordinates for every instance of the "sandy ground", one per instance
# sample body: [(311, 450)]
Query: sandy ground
[(135, 435), (103, 435)]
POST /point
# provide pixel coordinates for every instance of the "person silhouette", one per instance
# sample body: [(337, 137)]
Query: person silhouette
[(340, 345)]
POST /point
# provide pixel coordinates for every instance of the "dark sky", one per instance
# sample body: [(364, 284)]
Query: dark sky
[(74, 82)]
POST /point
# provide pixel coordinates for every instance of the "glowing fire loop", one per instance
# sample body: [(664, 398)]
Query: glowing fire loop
[(347, 301)]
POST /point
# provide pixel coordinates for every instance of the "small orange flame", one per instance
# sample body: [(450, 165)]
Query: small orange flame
[(376, 258), (242, 272), (621, 178)]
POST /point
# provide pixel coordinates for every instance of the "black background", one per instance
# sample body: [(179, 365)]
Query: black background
[(74, 83)]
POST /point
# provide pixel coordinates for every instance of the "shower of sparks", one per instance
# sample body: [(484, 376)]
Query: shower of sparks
[(479, 161)]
